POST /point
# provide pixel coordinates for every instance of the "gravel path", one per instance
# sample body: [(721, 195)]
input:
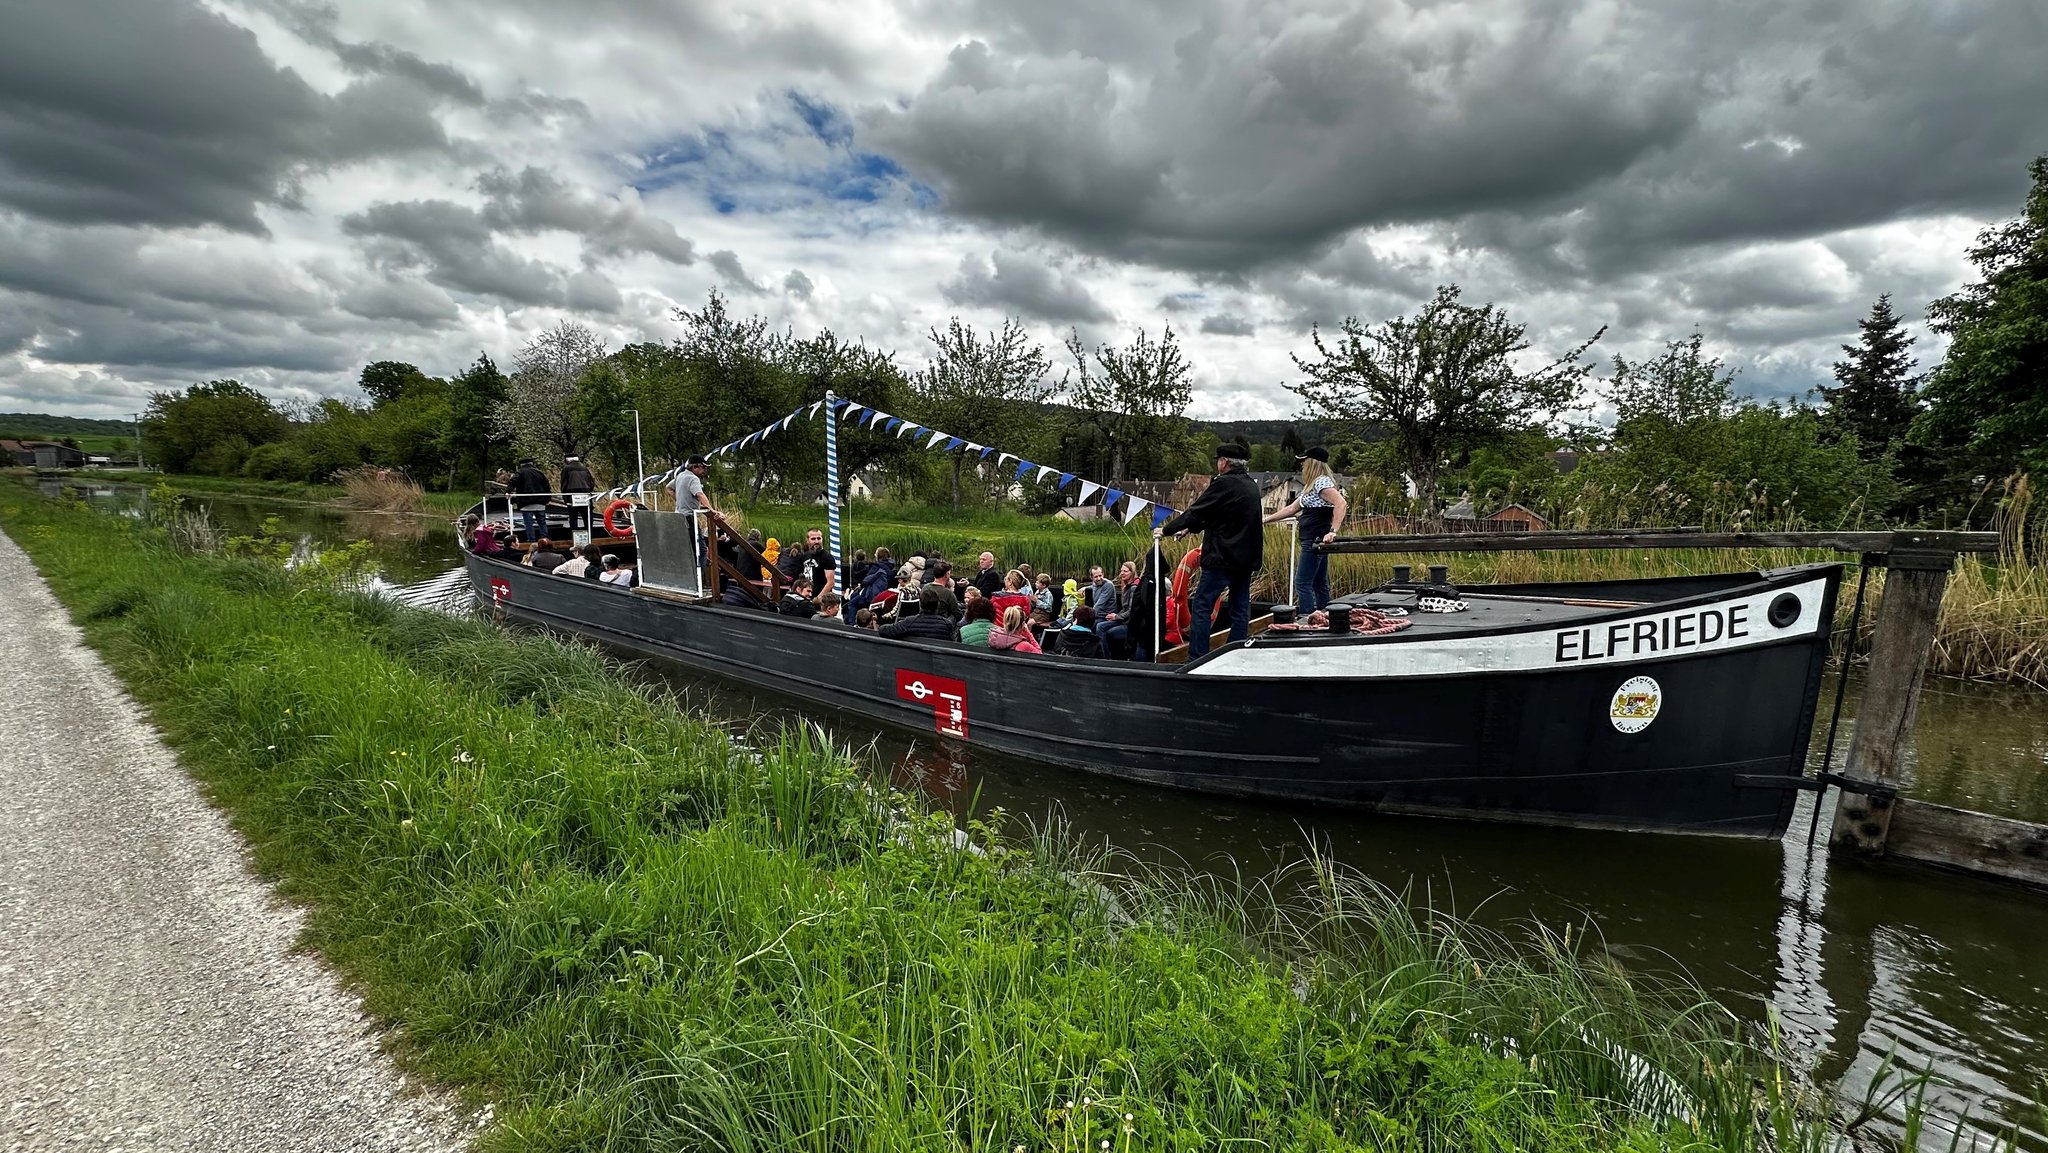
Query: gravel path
[(149, 997)]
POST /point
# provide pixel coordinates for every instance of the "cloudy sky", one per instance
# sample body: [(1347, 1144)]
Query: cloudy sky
[(280, 191)]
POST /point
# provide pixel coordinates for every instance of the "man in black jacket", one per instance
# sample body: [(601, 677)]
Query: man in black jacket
[(576, 479), (529, 491), (1227, 514)]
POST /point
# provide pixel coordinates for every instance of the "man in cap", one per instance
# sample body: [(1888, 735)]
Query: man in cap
[(1227, 514), (577, 481), (688, 488)]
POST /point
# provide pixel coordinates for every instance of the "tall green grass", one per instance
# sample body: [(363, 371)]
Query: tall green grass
[(630, 929)]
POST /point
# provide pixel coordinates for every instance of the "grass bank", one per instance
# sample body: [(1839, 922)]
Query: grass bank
[(628, 931)]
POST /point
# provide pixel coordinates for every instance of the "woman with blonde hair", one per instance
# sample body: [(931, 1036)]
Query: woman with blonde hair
[(1321, 507)]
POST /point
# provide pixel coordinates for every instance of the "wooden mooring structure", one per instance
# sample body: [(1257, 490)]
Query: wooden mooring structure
[(1872, 821)]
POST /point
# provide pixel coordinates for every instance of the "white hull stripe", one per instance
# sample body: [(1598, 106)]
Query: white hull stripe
[(1715, 626)]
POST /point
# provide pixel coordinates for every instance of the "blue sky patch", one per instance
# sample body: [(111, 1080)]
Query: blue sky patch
[(738, 170)]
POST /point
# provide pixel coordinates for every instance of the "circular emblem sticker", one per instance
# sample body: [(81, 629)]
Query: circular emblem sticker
[(1635, 704)]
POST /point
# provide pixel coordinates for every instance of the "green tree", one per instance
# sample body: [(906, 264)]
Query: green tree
[(472, 431), (603, 412), (1442, 384), (1270, 458), (384, 381), (866, 376), (209, 428), (1290, 443), (1132, 395), (734, 383), (985, 389), (1872, 399), (1988, 400), (1686, 449)]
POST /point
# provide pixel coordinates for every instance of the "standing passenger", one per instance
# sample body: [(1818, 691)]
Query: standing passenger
[(529, 490), (1227, 515), (1321, 508), (577, 481), (691, 499)]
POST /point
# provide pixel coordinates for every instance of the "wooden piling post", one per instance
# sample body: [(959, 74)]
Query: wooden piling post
[(1906, 618)]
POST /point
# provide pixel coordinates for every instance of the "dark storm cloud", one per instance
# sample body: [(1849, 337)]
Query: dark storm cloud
[(169, 345), (455, 247), (162, 112), (1224, 324), (535, 200), (727, 263), (1230, 135), (797, 284), (1016, 283), (401, 298)]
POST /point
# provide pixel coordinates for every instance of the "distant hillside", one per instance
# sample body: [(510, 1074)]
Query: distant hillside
[(43, 426), (1311, 432)]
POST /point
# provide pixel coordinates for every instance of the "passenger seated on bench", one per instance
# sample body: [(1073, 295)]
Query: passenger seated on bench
[(980, 618), (575, 566), (947, 605), (737, 596), (1015, 634), (930, 623), (617, 573), (1078, 639), (1013, 594), (831, 608), (866, 619), (543, 560), (796, 600)]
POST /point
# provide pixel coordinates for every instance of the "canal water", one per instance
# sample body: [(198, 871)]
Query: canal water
[(1859, 967)]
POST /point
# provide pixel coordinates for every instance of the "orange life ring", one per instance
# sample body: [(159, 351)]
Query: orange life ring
[(612, 526)]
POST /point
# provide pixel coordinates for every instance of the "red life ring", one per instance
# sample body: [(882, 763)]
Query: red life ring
[(1179, 616), (612, 525)]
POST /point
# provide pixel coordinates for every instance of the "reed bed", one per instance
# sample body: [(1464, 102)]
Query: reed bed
[(368, 488), (628, 928)]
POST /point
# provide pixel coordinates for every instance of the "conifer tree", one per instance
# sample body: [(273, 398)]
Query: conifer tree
[(1873, 396)]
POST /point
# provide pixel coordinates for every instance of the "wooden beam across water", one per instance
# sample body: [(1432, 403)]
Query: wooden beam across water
[(1978, 843)]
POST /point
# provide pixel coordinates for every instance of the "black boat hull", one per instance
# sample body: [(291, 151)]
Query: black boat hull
[(1722, 754)]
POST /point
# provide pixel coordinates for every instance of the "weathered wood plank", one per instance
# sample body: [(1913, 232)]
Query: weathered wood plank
[(1899, 651), (1979, 843), (1871, 543)]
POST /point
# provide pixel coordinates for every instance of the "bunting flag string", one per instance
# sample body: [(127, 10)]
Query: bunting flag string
[(932, 440)]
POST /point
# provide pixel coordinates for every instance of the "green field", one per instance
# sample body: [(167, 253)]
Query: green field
[(625, 929)]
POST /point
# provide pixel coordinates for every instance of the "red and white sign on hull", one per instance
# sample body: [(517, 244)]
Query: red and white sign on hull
[(947, 697)]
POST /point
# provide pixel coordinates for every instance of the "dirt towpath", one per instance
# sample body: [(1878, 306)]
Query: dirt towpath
[(149, 997)]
